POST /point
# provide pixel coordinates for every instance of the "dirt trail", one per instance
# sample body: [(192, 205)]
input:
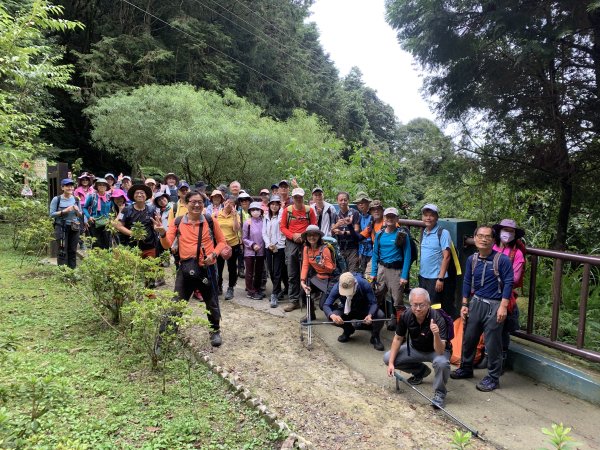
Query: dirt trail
[(319, 396)]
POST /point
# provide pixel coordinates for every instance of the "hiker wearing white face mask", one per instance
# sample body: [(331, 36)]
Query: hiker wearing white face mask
[(254, 251)]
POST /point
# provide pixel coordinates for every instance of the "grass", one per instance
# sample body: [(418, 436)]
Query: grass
[(99, 393)]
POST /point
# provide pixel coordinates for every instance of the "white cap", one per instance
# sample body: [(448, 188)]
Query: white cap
[(430, 207), (298, 191), (393, 211)]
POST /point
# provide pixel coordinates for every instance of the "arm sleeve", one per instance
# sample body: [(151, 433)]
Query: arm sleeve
[(246, 234), (54, 207), (284, 225), (331, 298), (518, 264), (466, 290), (88, 203), (304, 271), (506, 275), (406, 258), (328, 262), (375, 257), (265, 232)]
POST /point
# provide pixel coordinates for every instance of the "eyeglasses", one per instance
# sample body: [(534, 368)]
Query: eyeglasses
[(418, 306), (484, 237), (196, 202)]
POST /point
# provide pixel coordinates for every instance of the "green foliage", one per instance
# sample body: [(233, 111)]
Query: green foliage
[(37, 237), (18, 212), (114, 276), (461, 440), (559, 437)]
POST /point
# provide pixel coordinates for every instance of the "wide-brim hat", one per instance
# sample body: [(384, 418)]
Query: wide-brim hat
[(150, 180), (139, 187), (110, 175), (362, 197), (100, 180), (169, 175), (118, 193), (509, 223), (312, 229), (376, 204), (244, 196), (217, 192), (160, 195), (84, 175), (255, 205), (275, 199)]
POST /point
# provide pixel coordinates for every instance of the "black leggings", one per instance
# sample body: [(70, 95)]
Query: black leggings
[(231, 266)]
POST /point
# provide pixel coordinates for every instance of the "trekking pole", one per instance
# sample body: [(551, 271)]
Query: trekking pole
[(452, 416), (308, 321), (353, 322)]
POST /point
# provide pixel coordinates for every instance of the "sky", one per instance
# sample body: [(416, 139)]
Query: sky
[(355, 33)]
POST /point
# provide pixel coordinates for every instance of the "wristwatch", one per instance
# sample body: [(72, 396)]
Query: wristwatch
[(441, 279)]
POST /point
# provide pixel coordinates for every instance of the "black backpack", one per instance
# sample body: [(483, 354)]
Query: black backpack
[(401, 234)]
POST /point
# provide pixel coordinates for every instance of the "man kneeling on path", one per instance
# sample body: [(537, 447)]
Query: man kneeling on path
[(357, 303), (427, 341)]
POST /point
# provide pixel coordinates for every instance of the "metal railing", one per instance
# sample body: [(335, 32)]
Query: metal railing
[(559, 258)]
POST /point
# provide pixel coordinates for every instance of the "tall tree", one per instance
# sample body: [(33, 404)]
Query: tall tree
[(526, 73)]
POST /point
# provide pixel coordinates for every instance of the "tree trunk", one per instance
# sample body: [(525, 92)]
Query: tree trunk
[(566, 198)]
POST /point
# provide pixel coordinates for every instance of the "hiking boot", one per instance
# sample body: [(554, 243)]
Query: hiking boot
[(438, 400), (215, 338), (392, 324), (461, 373), (229, 294), (273, 301), (488, 384), (281, 295), (343, 337), (292, 306), (417, 379), (377, 344)]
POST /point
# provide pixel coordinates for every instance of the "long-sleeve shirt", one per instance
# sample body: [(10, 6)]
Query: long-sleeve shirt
[(363, 299), (272, 234), (309, 259), (386, 251), (90, 208), (252, 235), (326, 219), (518, 264), (188, 238), (298, 221), (365, 246), (59, 203), (483, 282)]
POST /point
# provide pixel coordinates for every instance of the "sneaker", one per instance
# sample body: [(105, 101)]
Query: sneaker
[(417, 379), (256, 296), (215, 338), (273, 301), (229, 294), (262, 294), (241, 274), (488, 384), (461, 373), (438, 400), (292, 306), (377, 344), (250, 295), (281, 296)]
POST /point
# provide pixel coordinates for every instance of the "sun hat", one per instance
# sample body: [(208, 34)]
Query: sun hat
[(392, 210), (217, 192), (362, 197), (244, 196), (430, 207), (376, 204), (150, 180), (110, 175), (139, 187), (255, 205), (84, 175), (116, 193), (100, 180), (312, 229), (264, 191), (275, 198), (298, 191), (509, 223), (347, 284), (169, 175)]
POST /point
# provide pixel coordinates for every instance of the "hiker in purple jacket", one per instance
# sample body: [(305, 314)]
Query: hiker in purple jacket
[(254, 251)]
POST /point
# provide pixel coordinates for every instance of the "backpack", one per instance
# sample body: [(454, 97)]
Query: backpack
[(77, 202), (494, 266), (454, 265), (291, 216), (211, 228), (334, 248), (401, 233)]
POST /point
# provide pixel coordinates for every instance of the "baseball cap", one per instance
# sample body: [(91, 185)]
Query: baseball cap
[(244, 195), (283, 182), (110, 175), (275, 198), (66, 181), (430, 207), (317, 189), (150, 180), (265, 191), (183, 184), (362, 197), (274, 186), (375, 204), (347, 284), (393, 211), (298, 191)]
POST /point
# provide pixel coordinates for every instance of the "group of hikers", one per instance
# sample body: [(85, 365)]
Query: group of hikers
[(353, 263)]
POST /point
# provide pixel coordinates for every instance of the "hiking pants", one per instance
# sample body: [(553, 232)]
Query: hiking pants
[(351, 257), (348, 328), (444, 298), (254, 272), (482, 319), (293, 261), (275, 263), (102, 236), (414, 364), (389, 279), (185, 287), (231, 266), (69, 239)]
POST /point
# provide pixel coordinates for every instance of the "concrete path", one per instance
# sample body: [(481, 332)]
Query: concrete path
[(511, 417)]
